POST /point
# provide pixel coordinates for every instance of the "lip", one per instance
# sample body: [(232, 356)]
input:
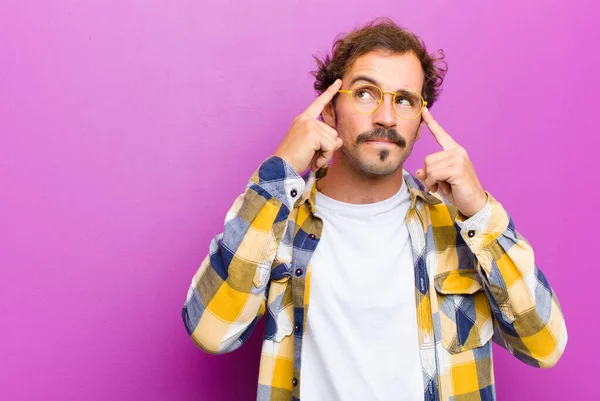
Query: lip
[(381, 141)]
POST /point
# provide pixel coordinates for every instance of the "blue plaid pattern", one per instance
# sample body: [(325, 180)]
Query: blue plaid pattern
[(475, 281)]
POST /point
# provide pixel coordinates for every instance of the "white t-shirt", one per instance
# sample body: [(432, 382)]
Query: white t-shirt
[(361, 340)]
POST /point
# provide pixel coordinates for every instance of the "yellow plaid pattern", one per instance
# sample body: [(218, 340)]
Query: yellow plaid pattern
[(475, 281)]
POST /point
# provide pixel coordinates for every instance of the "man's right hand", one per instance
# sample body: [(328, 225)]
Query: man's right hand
[(310, 142)]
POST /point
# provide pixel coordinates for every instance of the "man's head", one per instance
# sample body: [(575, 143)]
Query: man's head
[(391, 58)]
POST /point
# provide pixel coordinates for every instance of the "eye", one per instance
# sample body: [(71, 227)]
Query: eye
[(404, 100), (364, 94)]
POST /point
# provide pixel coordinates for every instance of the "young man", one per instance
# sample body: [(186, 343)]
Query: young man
[(408, 278)]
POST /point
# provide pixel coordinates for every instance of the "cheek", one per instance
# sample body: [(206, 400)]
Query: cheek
[(351, 124), (409, 128)]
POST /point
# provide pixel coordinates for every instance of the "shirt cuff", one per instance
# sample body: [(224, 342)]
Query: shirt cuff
[(280, 180), (485, 226)]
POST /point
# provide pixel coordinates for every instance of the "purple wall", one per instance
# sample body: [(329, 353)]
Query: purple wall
[(127, 128)]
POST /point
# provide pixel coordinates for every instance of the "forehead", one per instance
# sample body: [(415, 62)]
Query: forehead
[(391, 71)]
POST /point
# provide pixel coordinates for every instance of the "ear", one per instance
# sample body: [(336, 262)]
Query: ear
[(421, 124), (329, 116)]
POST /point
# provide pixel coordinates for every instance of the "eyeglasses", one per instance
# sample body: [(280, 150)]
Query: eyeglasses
[(367, 98)]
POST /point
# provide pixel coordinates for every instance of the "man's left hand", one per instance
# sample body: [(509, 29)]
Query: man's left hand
[(451, 172)]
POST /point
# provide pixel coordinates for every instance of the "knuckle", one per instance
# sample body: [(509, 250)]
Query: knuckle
[(311, 128), (314, 135), (326, 145)]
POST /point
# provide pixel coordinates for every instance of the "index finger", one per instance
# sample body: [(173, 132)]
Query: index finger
[(441, 136), (316, 108)]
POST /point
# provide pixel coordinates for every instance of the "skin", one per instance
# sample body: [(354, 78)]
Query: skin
[(372, 167), (367, 151)]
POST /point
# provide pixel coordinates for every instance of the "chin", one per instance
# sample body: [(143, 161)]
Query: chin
[(369, 162), (375, 167)]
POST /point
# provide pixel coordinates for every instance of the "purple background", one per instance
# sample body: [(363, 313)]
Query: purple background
[(127, 128)]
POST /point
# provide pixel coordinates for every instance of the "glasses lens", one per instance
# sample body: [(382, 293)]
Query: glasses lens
[(366, 98), (408, 104)]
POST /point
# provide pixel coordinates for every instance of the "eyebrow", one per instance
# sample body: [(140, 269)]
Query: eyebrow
[(371, 81)]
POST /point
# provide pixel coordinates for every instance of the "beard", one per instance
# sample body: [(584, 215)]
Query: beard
[(378, 162)]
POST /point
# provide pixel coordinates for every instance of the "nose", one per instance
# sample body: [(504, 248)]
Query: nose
[(385, 115)]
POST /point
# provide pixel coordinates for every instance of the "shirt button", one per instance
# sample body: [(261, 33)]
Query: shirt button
[(298, 272), (312, 237), (293, 192), (297, 328), (294, 382), (471, 233)]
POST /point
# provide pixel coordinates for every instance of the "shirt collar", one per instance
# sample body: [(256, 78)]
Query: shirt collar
[(416, 189)]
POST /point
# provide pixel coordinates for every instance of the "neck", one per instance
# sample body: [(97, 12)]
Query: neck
[(344, 182)]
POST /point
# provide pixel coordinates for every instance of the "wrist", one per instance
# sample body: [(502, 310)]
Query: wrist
[(288, 161), (477, 206)]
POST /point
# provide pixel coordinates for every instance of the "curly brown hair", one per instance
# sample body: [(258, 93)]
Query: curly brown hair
[(380, 34)]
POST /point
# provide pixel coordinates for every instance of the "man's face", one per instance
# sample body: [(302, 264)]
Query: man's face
[(377, 143)]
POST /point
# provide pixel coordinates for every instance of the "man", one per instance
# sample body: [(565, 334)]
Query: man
[(408, 278)]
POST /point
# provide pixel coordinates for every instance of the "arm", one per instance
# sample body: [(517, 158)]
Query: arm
[(227, 294), (527, 316)]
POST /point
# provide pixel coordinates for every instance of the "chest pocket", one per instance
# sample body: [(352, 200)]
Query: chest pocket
[(464, 310), (279, 313)]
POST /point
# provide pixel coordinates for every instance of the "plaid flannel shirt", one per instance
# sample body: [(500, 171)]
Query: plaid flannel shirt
[(475, 281)]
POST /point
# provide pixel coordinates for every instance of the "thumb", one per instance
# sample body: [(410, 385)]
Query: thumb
[(420, 173)]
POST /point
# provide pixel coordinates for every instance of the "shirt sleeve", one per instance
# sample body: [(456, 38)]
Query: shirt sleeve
[(226, 297), (527, 316)]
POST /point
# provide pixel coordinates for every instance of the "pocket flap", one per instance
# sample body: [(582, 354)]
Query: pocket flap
[(459, 281)]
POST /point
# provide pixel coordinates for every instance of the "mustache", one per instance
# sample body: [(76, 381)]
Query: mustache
[(381, 133)]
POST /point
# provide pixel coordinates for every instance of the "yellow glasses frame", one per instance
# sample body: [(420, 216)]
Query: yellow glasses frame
[(394, 94)]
